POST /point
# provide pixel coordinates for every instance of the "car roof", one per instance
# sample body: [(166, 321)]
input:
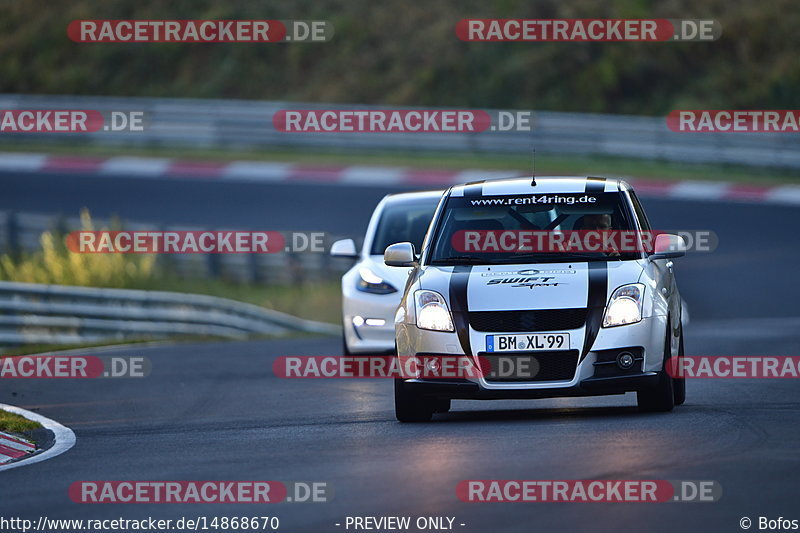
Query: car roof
[(412, 196), (540, 184)]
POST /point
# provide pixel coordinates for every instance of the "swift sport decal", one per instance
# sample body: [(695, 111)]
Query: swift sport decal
[(558, 287), (530, 282)]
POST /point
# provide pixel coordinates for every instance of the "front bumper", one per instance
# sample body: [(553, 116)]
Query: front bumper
[(595, 374), (470, 390), (373, 332)]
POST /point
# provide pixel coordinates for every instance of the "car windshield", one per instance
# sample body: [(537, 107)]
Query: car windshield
[(512, 216), (404, 221)]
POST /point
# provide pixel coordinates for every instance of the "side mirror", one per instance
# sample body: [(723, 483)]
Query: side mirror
[(344, 248), (668, 245), (400, 255)]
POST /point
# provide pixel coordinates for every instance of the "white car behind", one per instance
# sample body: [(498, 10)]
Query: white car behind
[(371, 290)]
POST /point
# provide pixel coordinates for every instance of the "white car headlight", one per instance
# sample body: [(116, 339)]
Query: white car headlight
[(625, 306), (432, 311), (370, 282)]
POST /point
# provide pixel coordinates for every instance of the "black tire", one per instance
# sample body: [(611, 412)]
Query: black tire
[(441, 406), (679, 384), (661, 397), (410, 407)]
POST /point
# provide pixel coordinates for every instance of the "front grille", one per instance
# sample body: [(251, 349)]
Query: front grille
[(531, 366), (525, 321)]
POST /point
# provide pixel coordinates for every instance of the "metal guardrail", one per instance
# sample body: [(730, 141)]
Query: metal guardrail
[(248, 124), (55, 314)]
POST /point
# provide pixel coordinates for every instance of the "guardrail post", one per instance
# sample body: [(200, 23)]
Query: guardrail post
[(214, 265), (165, 262), (61, 230), (295, 268), (252, 267), (12, 232)]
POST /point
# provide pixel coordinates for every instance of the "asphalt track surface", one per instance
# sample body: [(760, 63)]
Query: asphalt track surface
[(216, 412)]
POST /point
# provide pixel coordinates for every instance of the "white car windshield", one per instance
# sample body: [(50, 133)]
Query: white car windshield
[(404, 221)]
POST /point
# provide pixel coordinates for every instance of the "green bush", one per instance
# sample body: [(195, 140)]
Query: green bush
[(55, 264)]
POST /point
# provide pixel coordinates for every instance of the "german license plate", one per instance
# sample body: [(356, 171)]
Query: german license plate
[(528, 342)]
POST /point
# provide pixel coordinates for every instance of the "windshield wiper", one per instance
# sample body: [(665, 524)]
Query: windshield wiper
[(548, 258), (458, 260)]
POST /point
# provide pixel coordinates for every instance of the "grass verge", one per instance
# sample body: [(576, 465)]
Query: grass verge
[(14, 423), (320, 301)]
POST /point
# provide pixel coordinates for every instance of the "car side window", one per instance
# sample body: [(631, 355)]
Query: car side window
[(640, 214)]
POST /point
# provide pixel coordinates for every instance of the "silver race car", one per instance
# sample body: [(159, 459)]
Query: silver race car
[(538, 321)]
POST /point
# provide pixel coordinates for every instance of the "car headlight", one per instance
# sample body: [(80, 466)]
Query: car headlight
[(432, 311), (625, 306), (370, 282)]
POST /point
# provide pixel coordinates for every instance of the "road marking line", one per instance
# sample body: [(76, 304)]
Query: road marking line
[(138, 166), (699, 189), (256, 171), (14, 444), (11, 452), (784, 194), (365, 175), (29, 162)]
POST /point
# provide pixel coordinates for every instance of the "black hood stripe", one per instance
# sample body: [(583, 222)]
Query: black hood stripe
[(595, 302), (459, 280), (598, 283), (473, 189), (595, 185)]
